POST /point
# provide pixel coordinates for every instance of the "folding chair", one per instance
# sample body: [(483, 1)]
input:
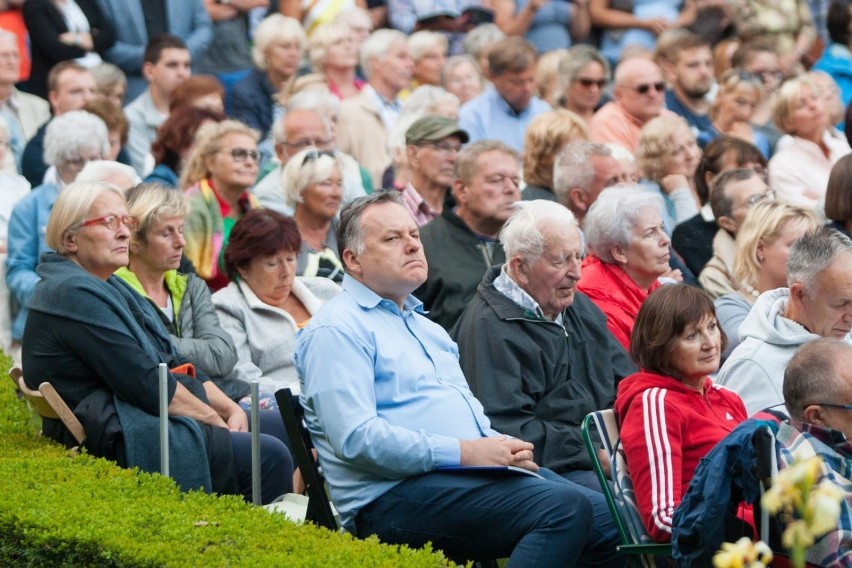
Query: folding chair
[(621, 500), (319, 506), (48, 404)]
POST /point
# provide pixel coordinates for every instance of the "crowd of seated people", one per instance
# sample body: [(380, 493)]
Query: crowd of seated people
[(564, 188)]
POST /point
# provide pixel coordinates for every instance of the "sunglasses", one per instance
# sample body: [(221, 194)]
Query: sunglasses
[(643, 89), (241, 154), (112, 222), (589, 83), (313, 154)]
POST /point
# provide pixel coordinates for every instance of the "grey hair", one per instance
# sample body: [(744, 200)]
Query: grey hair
[(279, 133), (481, 37), (720, 203), (812, 376), (377, 45), (423, 101), (573, 167), (104, 170), (70, 133), (323, 37), (521, 234), (612, 216), (421, 42), (577, 58), (71, 208), (275, 28), (299, 173), (454, 61), (316, 98), (108, 75), (351, 233), (814, 253)]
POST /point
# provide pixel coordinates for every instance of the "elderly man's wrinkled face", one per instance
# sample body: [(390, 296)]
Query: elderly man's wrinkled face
[(827, 309), (641, 88), (551, 279)]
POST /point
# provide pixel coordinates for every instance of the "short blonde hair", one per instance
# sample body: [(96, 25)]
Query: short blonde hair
[(764, 223), (302, 171), (151, 203), (786, 100), (322, 38), (207, 143), (275, 28), (547, 75), (546, 135), (419, 43), (71, 208), (655, 145)]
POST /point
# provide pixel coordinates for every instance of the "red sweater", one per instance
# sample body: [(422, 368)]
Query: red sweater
[(616, 294), (666, 428)]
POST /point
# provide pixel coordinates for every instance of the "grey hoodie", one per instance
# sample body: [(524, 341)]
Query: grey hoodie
[(755, 369)]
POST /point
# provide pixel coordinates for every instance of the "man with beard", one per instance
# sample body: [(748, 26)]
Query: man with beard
[(687, 64)]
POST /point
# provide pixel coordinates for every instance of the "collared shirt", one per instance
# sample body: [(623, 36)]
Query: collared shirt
[(800, 441), (144, 119), (388, 110), (509, 288), (611, 123), (417, 206), (384, 395), (489, 116)]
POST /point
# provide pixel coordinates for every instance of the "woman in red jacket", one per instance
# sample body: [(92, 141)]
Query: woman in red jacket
[(671, 414)]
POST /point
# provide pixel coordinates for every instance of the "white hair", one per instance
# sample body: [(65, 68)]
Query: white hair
[(378, 44), (275, 28), (423, 101), (573, 167), (70, 133), (421, 42), (107, 171), (301, 172), (614, 214), (521, 235)]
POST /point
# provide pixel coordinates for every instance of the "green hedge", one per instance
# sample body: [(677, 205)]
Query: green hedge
[(59, 509)]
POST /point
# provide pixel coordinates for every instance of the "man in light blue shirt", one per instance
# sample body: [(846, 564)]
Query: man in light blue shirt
[(505, 109), (388, 407)]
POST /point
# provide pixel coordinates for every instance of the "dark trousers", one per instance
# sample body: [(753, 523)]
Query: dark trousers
[(482, 515), (276, 466)]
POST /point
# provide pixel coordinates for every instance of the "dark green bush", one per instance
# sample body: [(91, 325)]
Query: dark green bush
[(61, 509)]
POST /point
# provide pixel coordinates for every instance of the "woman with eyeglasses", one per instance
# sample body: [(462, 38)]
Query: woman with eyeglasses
[(740, 94), (546, 135), (266, 304), (100, 345), (760, 260), (313, 186), (583, 76), (667, 156), (71, 140), (800, 112), (221, 167)]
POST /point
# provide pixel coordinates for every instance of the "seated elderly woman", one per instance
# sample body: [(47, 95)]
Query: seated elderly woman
[(71, 140), (334, 54), (760, 264), (667, 156), (461, 76), (800, 112), (670, 412), (838, 196), (182, 300), (221, 167), (546, 136), (100, 345), (628, 251), (314, 188), (279, 43), (429, 52), (174, 141), (740, 94), (583, 76), (266, 304)]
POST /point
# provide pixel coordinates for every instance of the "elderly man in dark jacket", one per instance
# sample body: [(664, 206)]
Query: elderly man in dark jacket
[(535, 351)]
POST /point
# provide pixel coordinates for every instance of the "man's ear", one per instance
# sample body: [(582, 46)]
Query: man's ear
[(728, 224), (148, 71), (518, 270), (578, 199), (351, 262), (669, 72), (815, 414), (411, 154), (459, 191)]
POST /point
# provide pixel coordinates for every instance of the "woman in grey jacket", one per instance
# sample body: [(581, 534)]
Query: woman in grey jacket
[(182, 300)]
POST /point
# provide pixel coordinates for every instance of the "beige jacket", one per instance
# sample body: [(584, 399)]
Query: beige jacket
[(361, 134), (717, 277)]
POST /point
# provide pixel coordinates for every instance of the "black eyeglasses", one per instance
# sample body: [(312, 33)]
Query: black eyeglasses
[(313, 154), (643, 89), (589, 83), (831, 405), (111, 222), (242, 154)]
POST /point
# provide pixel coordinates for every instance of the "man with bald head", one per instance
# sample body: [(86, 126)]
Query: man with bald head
[(818, 398), (639, 95), (297, 130)]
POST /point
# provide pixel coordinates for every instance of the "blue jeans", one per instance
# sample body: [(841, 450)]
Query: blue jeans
[(482, 515)]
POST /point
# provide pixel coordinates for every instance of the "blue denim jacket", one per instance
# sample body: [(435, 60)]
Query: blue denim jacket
[(27, 228)]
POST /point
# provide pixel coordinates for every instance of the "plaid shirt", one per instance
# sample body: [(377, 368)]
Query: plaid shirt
[(800, 441)]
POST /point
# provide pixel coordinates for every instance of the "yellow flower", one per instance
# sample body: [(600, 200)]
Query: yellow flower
[(797, 535), (823, 509), (743, 554)]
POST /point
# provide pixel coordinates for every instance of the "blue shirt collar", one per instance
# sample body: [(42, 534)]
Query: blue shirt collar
[(504, 106), (368, 299)]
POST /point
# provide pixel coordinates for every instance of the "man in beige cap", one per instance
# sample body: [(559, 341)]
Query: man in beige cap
[(432, 144)]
